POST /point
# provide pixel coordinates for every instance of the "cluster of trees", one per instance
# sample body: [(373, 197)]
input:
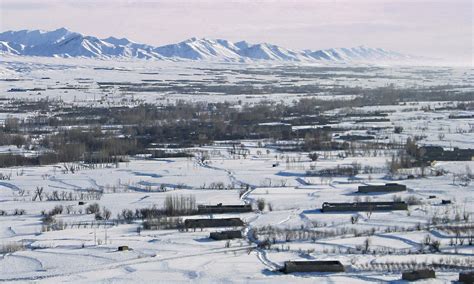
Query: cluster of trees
[(163, 223), (13, 139), (75, 133), (16, 212), (176, 205), (183, 123), (49, 221)]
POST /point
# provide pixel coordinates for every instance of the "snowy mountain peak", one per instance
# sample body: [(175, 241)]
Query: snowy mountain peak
[(36, 37), (62, 30), (117, 41), (65, 43), (242, 44)]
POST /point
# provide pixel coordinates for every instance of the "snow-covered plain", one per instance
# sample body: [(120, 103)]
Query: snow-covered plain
[(86, 251), (169, 255), (129, 82)]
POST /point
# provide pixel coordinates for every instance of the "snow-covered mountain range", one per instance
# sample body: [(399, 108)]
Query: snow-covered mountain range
[(65, 43)]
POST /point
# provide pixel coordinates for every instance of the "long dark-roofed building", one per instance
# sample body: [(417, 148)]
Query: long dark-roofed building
[(212, 223), (363, 206), (219, 208), (313, 266), (386, 188)]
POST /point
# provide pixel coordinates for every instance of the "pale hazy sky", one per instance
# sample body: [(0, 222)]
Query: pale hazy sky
[(435, 28)]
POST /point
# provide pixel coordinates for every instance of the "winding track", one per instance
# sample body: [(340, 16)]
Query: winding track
[(121, 264), (248, 232)]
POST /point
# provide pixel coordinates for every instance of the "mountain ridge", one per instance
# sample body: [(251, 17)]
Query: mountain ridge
[(65, 43)]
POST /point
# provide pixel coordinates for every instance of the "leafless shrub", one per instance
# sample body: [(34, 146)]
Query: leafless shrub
[(11, 247), (413, 200), (354, 219), (260, 204)]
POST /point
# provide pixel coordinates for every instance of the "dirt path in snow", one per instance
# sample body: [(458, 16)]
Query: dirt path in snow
[(121, 264)]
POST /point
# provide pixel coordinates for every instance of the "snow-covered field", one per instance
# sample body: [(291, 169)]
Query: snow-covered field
[(106, 82), (373, 246), (170, 255)]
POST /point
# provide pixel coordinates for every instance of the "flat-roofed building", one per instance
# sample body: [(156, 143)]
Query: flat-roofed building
[(364, 206), (313, 266)]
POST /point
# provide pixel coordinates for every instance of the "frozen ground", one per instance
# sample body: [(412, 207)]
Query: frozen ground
[(98, 82), (169, 255), (86, 250)]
